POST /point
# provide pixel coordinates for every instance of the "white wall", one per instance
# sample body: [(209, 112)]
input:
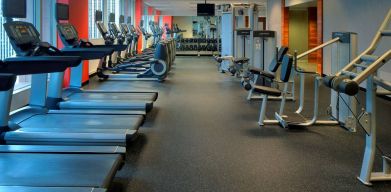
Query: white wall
[(273, 20), (289, 3), (361, 16), (185, 23)]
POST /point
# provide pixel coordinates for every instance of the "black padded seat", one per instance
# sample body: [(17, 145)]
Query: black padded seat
[(259, 71), (267, 90), (241, 60)]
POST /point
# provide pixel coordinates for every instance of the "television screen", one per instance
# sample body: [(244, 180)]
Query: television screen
[(205, 9), (62, 11), (14, 8)]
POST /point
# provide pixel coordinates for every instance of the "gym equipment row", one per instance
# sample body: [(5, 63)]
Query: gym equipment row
[(153, 64), (77, 137), (197, 46), (348, 70)]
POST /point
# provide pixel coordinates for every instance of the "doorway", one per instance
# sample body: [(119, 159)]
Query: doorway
[(302, 30)]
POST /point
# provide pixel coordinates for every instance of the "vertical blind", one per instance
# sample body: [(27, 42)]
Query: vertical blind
[(93, 5)]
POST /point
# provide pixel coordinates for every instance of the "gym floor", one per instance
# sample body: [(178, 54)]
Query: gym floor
[(202, 135)]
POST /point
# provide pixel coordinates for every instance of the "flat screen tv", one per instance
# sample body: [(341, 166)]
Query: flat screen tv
[(205, 9)]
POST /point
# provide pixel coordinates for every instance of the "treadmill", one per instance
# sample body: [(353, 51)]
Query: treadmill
[(49, 189), (30, 168), (34, 124), (12, 67), (77, 98)]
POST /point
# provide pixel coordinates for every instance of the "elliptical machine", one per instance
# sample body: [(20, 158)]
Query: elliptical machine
[(158, 67)]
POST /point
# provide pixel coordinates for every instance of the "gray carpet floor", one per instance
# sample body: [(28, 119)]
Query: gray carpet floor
[(202, 135)]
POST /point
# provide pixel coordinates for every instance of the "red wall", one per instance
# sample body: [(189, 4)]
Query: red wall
[(157, 13), (60, 45), (139, 5), (168, 20), (78, 11), (319, 29), (284, 24), (312, 34), (150, 10)]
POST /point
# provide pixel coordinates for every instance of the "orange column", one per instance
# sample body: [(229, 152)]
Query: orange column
[(67, 72), (78, 16), (137, 18), (167, 20), (150, 10), (157, 15), (312, 34), (284, 24), (320, 34)]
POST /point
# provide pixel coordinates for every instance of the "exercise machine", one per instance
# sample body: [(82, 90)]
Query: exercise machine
[(346, 50), (77, 98), (157, 71), (36, 124), (364, 69)]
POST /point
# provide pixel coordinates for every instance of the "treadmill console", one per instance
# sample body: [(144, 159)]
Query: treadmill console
[(68, 34), (23, 36)]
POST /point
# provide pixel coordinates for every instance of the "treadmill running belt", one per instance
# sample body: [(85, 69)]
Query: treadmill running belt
[(51, 170), (49, 189), (113, 96), (83, 121)]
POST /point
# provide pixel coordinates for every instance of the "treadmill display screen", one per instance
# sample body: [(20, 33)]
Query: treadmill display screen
[(14, 8), (22, 31)]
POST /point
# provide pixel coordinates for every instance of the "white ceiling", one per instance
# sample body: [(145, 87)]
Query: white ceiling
[(189, 7)]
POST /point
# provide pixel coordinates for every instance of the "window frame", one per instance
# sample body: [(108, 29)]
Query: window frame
[(93, 32)]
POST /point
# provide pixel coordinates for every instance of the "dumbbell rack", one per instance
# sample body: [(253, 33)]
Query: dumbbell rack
[(195, 47)]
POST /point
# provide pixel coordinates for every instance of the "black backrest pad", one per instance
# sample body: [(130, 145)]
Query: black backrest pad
[(274, 65), (280, 55), (281, 52), (286, 67), (129, 20), (62, 11), (14, 8), (98, 16)]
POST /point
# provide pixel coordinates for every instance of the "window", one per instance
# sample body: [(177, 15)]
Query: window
[(115, 6), (5, 45), (93, 5), (6, 49)]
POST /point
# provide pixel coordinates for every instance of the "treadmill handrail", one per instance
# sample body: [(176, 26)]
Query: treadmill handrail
[(38, 64)]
